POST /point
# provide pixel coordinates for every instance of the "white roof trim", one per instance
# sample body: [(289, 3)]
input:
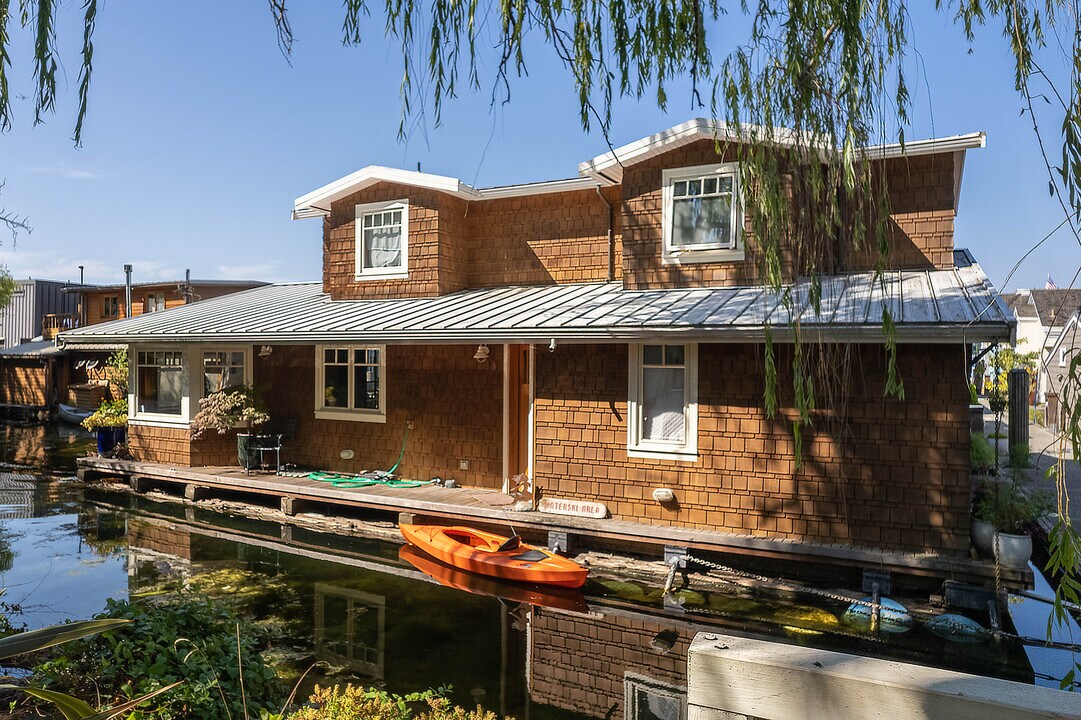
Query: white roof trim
[(608, 168), (317, 203)]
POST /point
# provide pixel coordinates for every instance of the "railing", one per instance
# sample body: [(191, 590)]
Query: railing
[(56, 322)]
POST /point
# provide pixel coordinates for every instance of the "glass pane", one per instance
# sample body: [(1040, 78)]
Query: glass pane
[(710, 186), (160, 390), (342, 356), (662, 405), (702, 221), (653, 354), (694, 187), (383, 247), (367, 221), (397, 217), (366, 387), (328, 355), (673, 354), (680, 188), (336, 386), (726, 184)]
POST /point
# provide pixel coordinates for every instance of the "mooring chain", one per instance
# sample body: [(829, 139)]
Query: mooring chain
[(783, 583)]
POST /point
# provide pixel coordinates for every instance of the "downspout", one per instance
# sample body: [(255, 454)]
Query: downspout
[(611, 237)]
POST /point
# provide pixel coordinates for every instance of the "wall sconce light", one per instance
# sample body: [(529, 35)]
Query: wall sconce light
[(481, 355), (663, 495), (552, 345), (264, 351)]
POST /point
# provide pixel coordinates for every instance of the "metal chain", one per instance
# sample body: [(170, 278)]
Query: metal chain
[(783, 583)]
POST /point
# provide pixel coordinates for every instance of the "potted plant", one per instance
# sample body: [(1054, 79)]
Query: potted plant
[(110, 422), (229, 409), (1011, 509)]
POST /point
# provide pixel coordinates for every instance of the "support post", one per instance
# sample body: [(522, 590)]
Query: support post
[(1017, 383), (560, 541), (289, 505), (138, 484), (193, 492)]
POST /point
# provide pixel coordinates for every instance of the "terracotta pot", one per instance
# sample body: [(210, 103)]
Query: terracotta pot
[(983, 537), (1013, 551)]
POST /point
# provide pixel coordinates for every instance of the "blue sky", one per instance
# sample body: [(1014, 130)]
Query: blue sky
[(200, 135)]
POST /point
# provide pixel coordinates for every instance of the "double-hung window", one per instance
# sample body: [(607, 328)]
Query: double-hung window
[(223, 369), (110, 306), (350, 382), (159, 382), (663, 401), (154, 302), (382, 239), (702, 214)]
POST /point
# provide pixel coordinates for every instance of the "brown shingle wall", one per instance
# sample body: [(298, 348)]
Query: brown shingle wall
[(159, 444), (423, 261), (922, 213), (542, 239), (894, 475), (579, 662), (22, 382)]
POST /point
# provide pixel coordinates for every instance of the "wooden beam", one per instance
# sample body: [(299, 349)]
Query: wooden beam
[(730, 676)]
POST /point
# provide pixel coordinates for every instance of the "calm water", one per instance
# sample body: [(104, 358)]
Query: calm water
[(376, 619)]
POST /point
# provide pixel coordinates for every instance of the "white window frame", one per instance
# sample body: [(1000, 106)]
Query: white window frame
[(638, 447), (363, 273), (718, 252), (115, 303), (159, 418), (204, 349), (347, 413), (154, 296)]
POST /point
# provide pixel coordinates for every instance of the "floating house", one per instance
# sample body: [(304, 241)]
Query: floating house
[(603, 337)]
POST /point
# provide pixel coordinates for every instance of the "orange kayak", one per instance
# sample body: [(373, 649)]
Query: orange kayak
[(560, 598), (496, 555)]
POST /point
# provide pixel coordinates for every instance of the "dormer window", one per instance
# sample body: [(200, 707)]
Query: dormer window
[(382, 240), (703, 216)]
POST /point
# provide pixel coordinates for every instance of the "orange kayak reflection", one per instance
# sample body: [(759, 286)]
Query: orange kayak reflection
[(507, 558), (552, 597)]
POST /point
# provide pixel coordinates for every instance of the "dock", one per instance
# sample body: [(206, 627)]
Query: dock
[(480, 506)]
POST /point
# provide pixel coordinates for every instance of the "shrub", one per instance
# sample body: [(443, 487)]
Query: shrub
[(225, 409), (111, 413), (191, 640), (981, 454), (1010, 507), (1018, 456), (353, 703)]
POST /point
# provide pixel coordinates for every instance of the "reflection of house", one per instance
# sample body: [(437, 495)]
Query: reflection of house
[(605, 337), (1041, 317), (350, 629)]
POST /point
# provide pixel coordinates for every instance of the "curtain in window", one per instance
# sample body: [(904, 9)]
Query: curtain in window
[(701, 221), (663, 404), (383, 247)]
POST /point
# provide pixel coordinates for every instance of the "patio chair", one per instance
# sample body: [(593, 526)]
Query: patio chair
[(273, 440)]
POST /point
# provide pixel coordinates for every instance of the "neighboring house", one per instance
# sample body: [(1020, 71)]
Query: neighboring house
[(38, 308), (104, 303), (1057, 369), (32, 375), (604, 337), (1041, 317)]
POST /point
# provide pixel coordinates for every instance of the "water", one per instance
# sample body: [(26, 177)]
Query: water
[(374, 618)]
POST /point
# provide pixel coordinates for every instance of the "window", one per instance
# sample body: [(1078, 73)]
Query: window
[(349, 383), (223, 369), (154, 302), (702, 214), (663, 401), (110, 306), (382, 239), (159, 381), (1062, 357)]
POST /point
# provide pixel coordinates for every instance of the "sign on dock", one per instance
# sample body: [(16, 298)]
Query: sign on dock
[(577, 508)]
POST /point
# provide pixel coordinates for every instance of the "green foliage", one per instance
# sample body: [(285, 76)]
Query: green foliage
[(973, 396), (226, 409), (111, 413), (116, 372), (47, 637), (354, 703), (1018, 456), (981, 454), (1010, 506), (7, 286), (190, 640)]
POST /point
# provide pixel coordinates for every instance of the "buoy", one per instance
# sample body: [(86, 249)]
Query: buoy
[(893, 616), (958, 628)]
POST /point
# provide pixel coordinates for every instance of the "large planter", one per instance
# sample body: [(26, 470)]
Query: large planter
[(110, 437), (1013, 551), (975, 418), (245, 456), (983, 537)]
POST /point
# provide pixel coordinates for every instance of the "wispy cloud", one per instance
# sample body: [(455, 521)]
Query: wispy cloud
[(70, 173), (59, 265), (256, 271)]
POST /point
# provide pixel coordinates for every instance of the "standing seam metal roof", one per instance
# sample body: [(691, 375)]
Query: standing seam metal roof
[(926, 305)]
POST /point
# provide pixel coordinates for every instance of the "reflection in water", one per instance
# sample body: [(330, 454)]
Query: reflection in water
[(406, 624)]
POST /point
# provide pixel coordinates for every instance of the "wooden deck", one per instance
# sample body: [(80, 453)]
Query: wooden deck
[(493, 508)]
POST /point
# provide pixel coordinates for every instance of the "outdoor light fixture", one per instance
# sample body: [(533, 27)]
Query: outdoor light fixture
[(552, 345), (663, 495), (264, 352), (481, 355)]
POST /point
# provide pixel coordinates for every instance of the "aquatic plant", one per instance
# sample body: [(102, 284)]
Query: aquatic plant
[(197, 642), (226, 409), (354, 703)]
